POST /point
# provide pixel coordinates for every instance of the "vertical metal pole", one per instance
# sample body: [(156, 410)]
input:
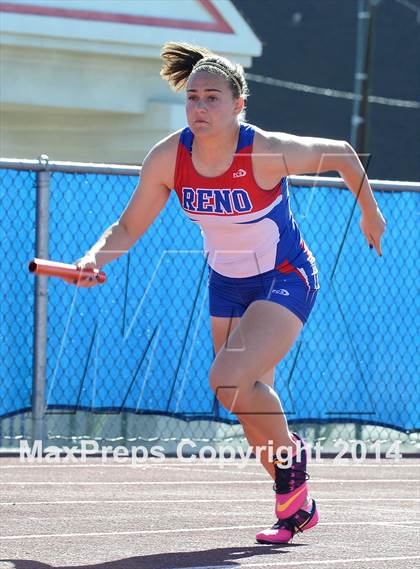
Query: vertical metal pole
[(358, 136), (359, 119), (361, 85), (41, 303)]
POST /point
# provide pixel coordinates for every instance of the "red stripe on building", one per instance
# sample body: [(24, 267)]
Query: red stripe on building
[(218, 25)]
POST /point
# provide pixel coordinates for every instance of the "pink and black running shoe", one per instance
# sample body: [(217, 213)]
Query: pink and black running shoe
[(290, 483), (284, 530)]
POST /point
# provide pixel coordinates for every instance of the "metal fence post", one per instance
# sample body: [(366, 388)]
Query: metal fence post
[(41, 302)]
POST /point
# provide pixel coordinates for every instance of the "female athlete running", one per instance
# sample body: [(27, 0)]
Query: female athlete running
[(231, 179)]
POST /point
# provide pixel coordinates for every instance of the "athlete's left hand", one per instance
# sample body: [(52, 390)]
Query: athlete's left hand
[(373, 227)]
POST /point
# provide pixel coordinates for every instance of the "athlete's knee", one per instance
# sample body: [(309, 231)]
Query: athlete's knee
[(222, 385), (229, 387)]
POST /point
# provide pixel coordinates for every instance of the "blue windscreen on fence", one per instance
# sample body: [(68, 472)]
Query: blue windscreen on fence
[(142, 341)]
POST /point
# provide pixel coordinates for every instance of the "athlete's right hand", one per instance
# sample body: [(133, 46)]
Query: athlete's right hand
[(86, 262)]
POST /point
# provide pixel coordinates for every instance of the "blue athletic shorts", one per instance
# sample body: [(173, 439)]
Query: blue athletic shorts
[(230, 297)]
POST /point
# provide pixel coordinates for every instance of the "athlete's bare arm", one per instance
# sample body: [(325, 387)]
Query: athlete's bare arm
[(149, 198), (281, 154), (153, 190)]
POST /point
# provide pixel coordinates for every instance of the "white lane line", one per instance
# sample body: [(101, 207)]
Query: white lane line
[(307, 563), (115, 533), (241, 470), (221, 466), (207, 482), (392, 524), (137, 483), (146, 465), (202, 501)]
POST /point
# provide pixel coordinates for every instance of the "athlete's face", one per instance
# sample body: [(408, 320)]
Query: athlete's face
[(211, 106)]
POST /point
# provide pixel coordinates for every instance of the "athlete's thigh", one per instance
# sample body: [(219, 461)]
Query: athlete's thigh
[(262, 338), (222, 329)]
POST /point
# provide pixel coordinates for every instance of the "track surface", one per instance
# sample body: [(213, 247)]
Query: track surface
[(176, 515)]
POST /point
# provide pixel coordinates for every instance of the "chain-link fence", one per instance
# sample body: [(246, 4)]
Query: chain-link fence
[(127, 362)]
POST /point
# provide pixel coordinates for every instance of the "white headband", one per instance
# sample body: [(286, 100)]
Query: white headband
[(229, 75)]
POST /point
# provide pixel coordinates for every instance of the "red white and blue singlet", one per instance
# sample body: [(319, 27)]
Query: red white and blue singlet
[(253, 245)]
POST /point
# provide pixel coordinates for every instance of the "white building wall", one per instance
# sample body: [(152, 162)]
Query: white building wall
[(89, 90)]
